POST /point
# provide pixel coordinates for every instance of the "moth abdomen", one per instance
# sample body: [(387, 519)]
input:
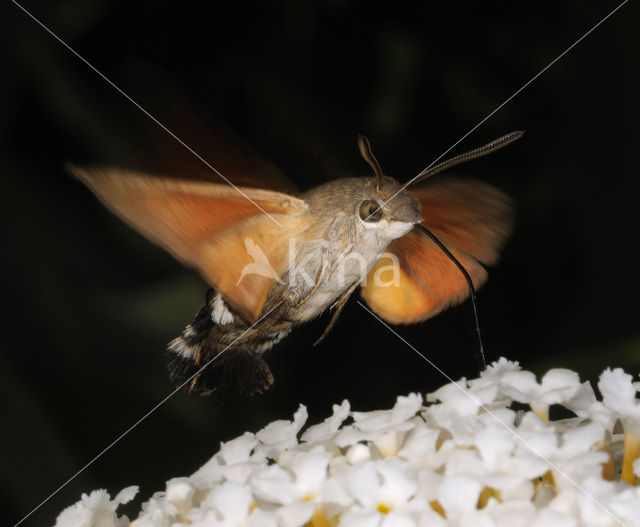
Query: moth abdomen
[(219, 352)]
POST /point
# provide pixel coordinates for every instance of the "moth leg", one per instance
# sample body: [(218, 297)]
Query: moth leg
[(318, 281), (338, 305), (324, 265)]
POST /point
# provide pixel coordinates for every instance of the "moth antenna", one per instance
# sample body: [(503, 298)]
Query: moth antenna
[(367, 154), (479, 355), (494, 145)]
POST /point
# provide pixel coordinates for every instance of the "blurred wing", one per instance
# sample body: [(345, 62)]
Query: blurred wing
[(204, 225), (206, 150), (472, 219), (233, 161)]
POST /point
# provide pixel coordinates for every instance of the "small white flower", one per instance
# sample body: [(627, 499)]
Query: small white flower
[(328, 428), (157, 512), (456, 413), (381, 420), (486, 387), (180, 493), (97, 510), (420, 447), (235, 461), (310, 471), (358, 453), (459, 495), (455, 397), (580, 440), (237, 450), (384, 428), (295, 514), (619, 395), (494, 443), (382, 485), (281, 435), (585, 405), (301, 481), (557, 386), (274, 484), (227, 504)]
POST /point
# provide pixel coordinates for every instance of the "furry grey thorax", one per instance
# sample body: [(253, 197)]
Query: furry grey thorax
[(340, 248)]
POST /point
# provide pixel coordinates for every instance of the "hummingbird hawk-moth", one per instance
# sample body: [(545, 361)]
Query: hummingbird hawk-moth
[(276, 258)]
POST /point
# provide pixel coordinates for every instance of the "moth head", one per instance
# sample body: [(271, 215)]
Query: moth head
[(386, 206)]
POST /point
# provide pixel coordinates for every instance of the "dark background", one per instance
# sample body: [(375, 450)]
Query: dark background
[(89, 305)]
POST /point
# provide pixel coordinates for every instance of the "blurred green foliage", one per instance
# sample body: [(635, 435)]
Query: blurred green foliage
[(89, 304)]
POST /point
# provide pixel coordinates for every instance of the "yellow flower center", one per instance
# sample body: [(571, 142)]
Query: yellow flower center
[(319, 519), (435, 505), (487, 493)]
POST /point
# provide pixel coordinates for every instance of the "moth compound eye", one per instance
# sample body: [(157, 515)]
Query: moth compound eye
[(370, 211)]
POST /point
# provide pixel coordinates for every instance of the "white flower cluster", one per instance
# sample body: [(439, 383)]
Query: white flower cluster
[(462, 457)]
